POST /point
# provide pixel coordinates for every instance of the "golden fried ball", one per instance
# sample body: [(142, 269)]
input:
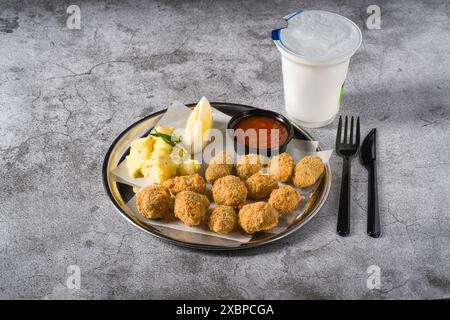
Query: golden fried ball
[(285, 199), (223, 219), (229, 191), (216, 171), (193, 182), (220, 166), (260, 186), (153, 201), (249, 164), (281, 166), (223, 157), (257, 216), (190, 207), (308, 171)]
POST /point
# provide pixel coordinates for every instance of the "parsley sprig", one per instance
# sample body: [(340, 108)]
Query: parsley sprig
[(170, 140)]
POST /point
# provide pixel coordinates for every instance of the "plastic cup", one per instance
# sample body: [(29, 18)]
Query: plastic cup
[(313, 86)]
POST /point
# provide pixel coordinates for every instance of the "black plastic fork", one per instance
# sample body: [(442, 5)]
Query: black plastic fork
[(346, 149)]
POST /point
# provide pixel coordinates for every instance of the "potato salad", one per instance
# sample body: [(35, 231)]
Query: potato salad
[(160, 156)]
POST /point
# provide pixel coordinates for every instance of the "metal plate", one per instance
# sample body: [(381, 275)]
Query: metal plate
[(120, 193)]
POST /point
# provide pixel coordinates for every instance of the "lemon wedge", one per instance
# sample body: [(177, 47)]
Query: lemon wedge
[(199, 122)]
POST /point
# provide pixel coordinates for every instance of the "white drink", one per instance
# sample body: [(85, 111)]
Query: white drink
[(316, 47)]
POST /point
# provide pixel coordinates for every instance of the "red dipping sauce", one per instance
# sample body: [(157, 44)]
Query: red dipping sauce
[(261, 132)]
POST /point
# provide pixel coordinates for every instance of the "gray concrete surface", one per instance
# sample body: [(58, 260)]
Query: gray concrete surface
[(66, 94)]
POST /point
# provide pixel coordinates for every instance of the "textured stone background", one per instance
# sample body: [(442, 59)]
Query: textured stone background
[(66, 94)]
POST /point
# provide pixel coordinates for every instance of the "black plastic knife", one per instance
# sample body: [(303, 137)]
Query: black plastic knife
[(368, 158)]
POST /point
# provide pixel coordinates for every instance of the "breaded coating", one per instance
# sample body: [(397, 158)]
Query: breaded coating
[(257, 216), (193, 182), (308, 171), (216, 171), (281, 166), (220, 166), (153, 201), (285, 199), (260, 186), (190, 207), (249, 164), (223, 219), (223, 157), (229, 191)]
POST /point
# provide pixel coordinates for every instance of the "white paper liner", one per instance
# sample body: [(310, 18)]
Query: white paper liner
[(176, 116)]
